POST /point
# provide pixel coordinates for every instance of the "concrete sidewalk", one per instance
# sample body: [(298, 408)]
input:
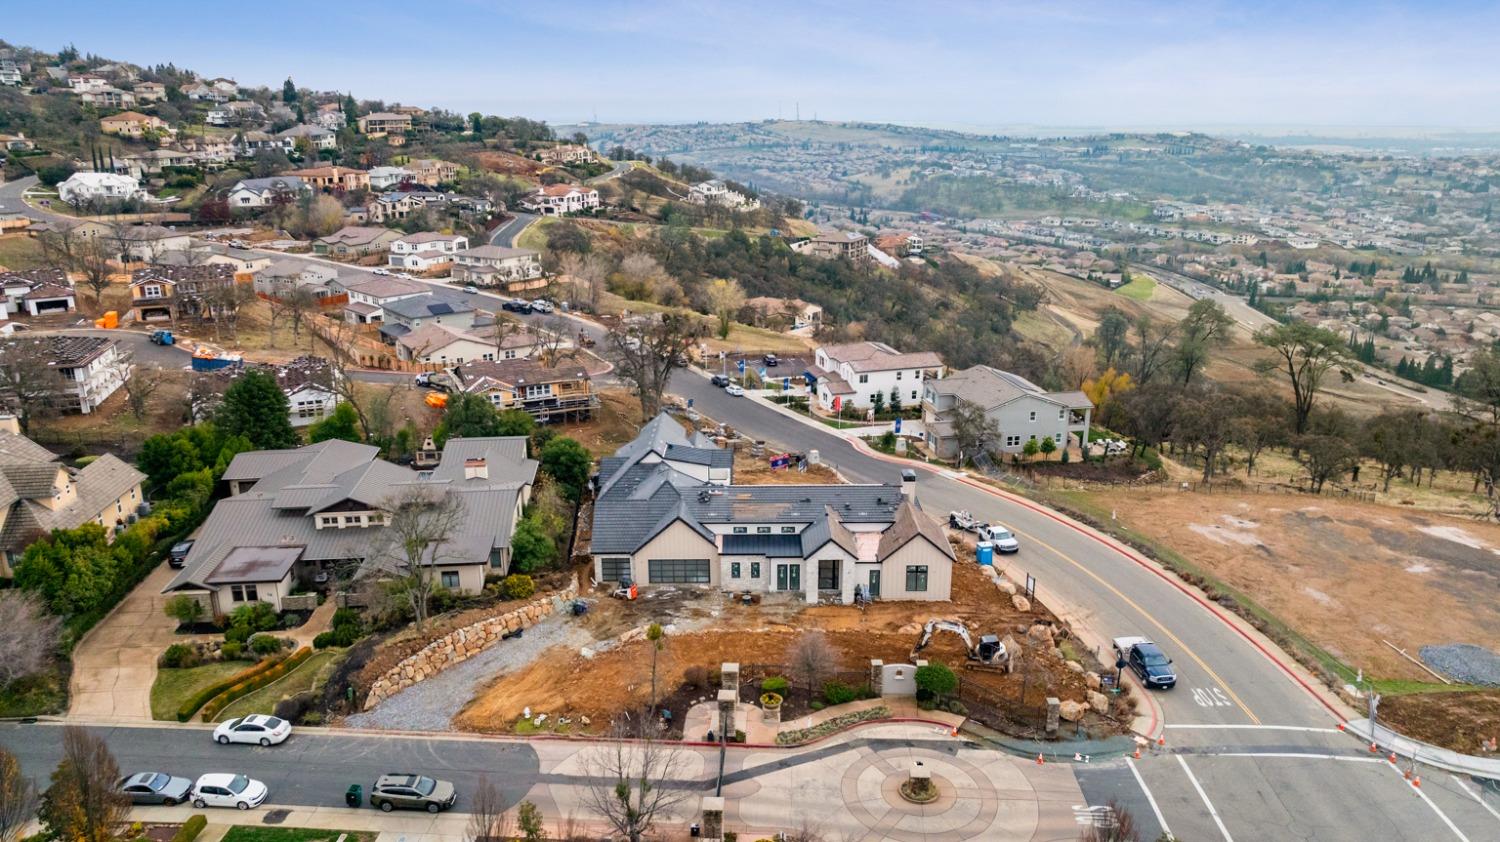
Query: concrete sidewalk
[(1446, 759)]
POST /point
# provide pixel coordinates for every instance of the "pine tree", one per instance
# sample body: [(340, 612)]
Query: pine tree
[(288, 91)]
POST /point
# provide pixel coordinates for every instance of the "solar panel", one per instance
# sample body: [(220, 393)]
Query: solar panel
[(440, 308)]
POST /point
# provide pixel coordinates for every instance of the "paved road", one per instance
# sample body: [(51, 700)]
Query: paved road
[(506, 234), (11, 202), (1233, 690)]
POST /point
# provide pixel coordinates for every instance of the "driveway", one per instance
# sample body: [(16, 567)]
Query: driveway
[(115, 663)]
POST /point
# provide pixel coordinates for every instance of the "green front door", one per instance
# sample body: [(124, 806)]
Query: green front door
[(874, 584), (788, 577)]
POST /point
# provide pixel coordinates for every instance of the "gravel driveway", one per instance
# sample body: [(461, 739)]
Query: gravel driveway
[(431, 705)]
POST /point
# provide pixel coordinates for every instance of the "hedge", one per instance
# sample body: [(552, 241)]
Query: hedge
[(801, 735), (191, 828), (255, 682), (201, 698)]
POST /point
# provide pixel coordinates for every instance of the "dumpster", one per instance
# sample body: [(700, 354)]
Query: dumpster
[(354, 796), (986, 553)]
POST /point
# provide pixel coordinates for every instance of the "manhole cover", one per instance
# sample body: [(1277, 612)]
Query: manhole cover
[(276, 816)]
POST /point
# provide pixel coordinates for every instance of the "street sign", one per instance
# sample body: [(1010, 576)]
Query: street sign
[(690, 403), (741, 365), (898, 426), (786, 384), (781, 461)]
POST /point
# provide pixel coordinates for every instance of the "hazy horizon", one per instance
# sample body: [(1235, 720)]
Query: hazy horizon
[(970, 66)]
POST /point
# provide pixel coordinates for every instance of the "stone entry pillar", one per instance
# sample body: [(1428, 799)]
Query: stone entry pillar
[(729, 677), (877, 675), (727, 700), (713, 819), (1054, 714)]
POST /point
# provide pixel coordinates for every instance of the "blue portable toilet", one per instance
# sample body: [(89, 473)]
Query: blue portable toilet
[(986, 553)]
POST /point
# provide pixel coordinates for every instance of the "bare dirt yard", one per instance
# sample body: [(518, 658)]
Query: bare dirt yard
[(1347, 575), (706, 629)]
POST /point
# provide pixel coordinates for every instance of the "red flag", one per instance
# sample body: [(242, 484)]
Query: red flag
[(838, 404)]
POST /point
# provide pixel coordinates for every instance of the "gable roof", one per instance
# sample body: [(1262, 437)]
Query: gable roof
[(990, 387)]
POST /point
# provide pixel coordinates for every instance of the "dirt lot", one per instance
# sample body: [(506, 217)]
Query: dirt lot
[(1346, 575), (708, 630), (1460, 721)]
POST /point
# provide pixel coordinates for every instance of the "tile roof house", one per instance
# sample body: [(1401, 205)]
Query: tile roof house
[(667, 511), (853, 373), (559, 199), (355, 240), (303, 517), (1020, 409), (333, 178), (489, 266), (384, 122), (132, 124), (38, 494)]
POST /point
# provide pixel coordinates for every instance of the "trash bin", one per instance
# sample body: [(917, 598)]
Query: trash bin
[(354, 796)]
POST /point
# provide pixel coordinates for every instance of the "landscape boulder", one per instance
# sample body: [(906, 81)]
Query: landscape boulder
[(1092, 680), (1072, 711), (1021, 603), (1099, 702)]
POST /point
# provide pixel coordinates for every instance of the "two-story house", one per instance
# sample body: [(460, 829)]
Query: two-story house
[(549, 393), (162, 292), (442, 307), (567, 153), (332, 179), (559, 199), (384, 122), (84, 187), (845, 245), (399, 204), (132, 124), (296, 518), (146, 243), (355, 241), (91, 368), (431, 172), (1021, 411), (280, 278), (384, 178), (368, 297), (311, 388), (667, 512), (149, 91), (264, 192), (439, 346), (488, 266), (716, 192), (849, 376), (39, 494), (426, 251), (319, 137)]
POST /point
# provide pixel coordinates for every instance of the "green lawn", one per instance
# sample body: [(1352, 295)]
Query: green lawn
[(18, 251), (175, 686), (264, 700), (252, 833), (1139, 288), (535, 235)]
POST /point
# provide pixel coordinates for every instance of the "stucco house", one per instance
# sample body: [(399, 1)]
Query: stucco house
[(848, 376), (1022, 410), (355, 241), (667, 511)]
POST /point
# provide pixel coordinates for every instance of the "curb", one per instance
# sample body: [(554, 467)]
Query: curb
[(1448, 760)]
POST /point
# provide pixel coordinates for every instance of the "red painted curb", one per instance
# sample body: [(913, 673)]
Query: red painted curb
[(1133, 556)]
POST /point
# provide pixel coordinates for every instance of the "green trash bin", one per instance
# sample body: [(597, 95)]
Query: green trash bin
[(354, 796)]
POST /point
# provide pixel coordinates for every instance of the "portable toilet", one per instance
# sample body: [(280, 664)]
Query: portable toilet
[(986, 553)]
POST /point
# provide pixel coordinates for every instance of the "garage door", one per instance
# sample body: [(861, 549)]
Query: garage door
[(692, 571)]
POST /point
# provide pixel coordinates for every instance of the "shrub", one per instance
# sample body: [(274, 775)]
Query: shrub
[(838, 693), (265, 644), (236, 635), (232, 651), (816, 705), (179, 656), (184, 609), (936, 680), (191, 828), (255, 681), (697, 677), (323, 640), (258, 616), (293, 708), (927, 703), (517, 586), (955, 706), (775, 684), (347, 617), (199, 699)]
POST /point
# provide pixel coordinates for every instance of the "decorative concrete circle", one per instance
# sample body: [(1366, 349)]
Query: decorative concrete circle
[(891, 816)]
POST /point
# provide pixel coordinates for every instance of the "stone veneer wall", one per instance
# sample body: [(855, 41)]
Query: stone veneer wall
[(459, 645)]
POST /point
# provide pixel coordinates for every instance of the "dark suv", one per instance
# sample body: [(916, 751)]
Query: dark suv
[(177, 556), (719, 380), (412, 792)]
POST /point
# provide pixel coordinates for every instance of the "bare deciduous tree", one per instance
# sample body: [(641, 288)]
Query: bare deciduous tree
[(550, 339), (645, 349), (1114, 824), (29, 386), (84, 803), (488, 820), (141, 383), (634, 781), (811, 657), (18, 798), (589, 274), (973, 429), (420, 522), (28, 637)]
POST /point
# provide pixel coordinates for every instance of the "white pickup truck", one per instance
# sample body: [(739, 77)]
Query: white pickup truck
[(1147, 661), (1003, 539)]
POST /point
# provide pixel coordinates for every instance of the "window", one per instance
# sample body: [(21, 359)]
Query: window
[(913, 394), (755, 570), (450, 579), (614, 569), (741, 530), (916, 577), (354, 520), (1061, 414), (510, 355), (328, 520), (538, 391), (310, 408), (864, 378), (788, 530), (377, 518), (693, 571), (734, 570), (1012, 441), (762, 530), (1033, 416), (898, 375), (244, 593)]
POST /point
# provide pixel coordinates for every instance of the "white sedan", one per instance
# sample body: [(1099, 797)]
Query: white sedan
[(225, 790), (735, 389), (255, 729)]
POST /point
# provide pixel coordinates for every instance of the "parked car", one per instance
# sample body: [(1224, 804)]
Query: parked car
[(735, 389), (542, 305), (219, 789), (378, 271), (405, 791), (471, 290), (516, 305), (405, 276), (770, 360), (1147, 661), (1003, 539), (423, 379), (256, 728), (156, 788), (719, 380), (177, 556), (238, 244)]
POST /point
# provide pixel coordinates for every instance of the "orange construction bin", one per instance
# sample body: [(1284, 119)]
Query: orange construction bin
[(109, 321), (437, 400)]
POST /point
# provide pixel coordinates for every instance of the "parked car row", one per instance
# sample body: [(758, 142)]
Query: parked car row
[(524, 307), (393, 791)]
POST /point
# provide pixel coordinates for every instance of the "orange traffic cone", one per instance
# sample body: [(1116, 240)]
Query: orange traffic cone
[(1039, 760), (1162, 740), (1374, 749), (1137, 752), (1417, 782), (1392, 758), (953, 733), (1341, 726)]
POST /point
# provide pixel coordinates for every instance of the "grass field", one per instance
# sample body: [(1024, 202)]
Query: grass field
[(18, 251), (175, 686), (1139, 288), (264, 700)]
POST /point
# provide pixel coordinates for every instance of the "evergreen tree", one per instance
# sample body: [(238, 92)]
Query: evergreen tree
[(288, 91), (351, 110), (256, 408)]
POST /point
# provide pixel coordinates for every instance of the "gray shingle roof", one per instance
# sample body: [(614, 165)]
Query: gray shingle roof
[(770, 546), (990, 387), (254, 564)]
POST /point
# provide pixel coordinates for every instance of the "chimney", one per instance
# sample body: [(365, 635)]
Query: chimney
[(476, 469), (10, 424), (908, 483)]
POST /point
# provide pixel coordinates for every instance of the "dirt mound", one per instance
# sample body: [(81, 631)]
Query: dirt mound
[(507, 163)]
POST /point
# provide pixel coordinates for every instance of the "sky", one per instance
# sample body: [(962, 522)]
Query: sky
[(967, 65)]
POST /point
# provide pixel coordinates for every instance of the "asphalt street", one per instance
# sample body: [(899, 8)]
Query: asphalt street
[(505, 234)]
